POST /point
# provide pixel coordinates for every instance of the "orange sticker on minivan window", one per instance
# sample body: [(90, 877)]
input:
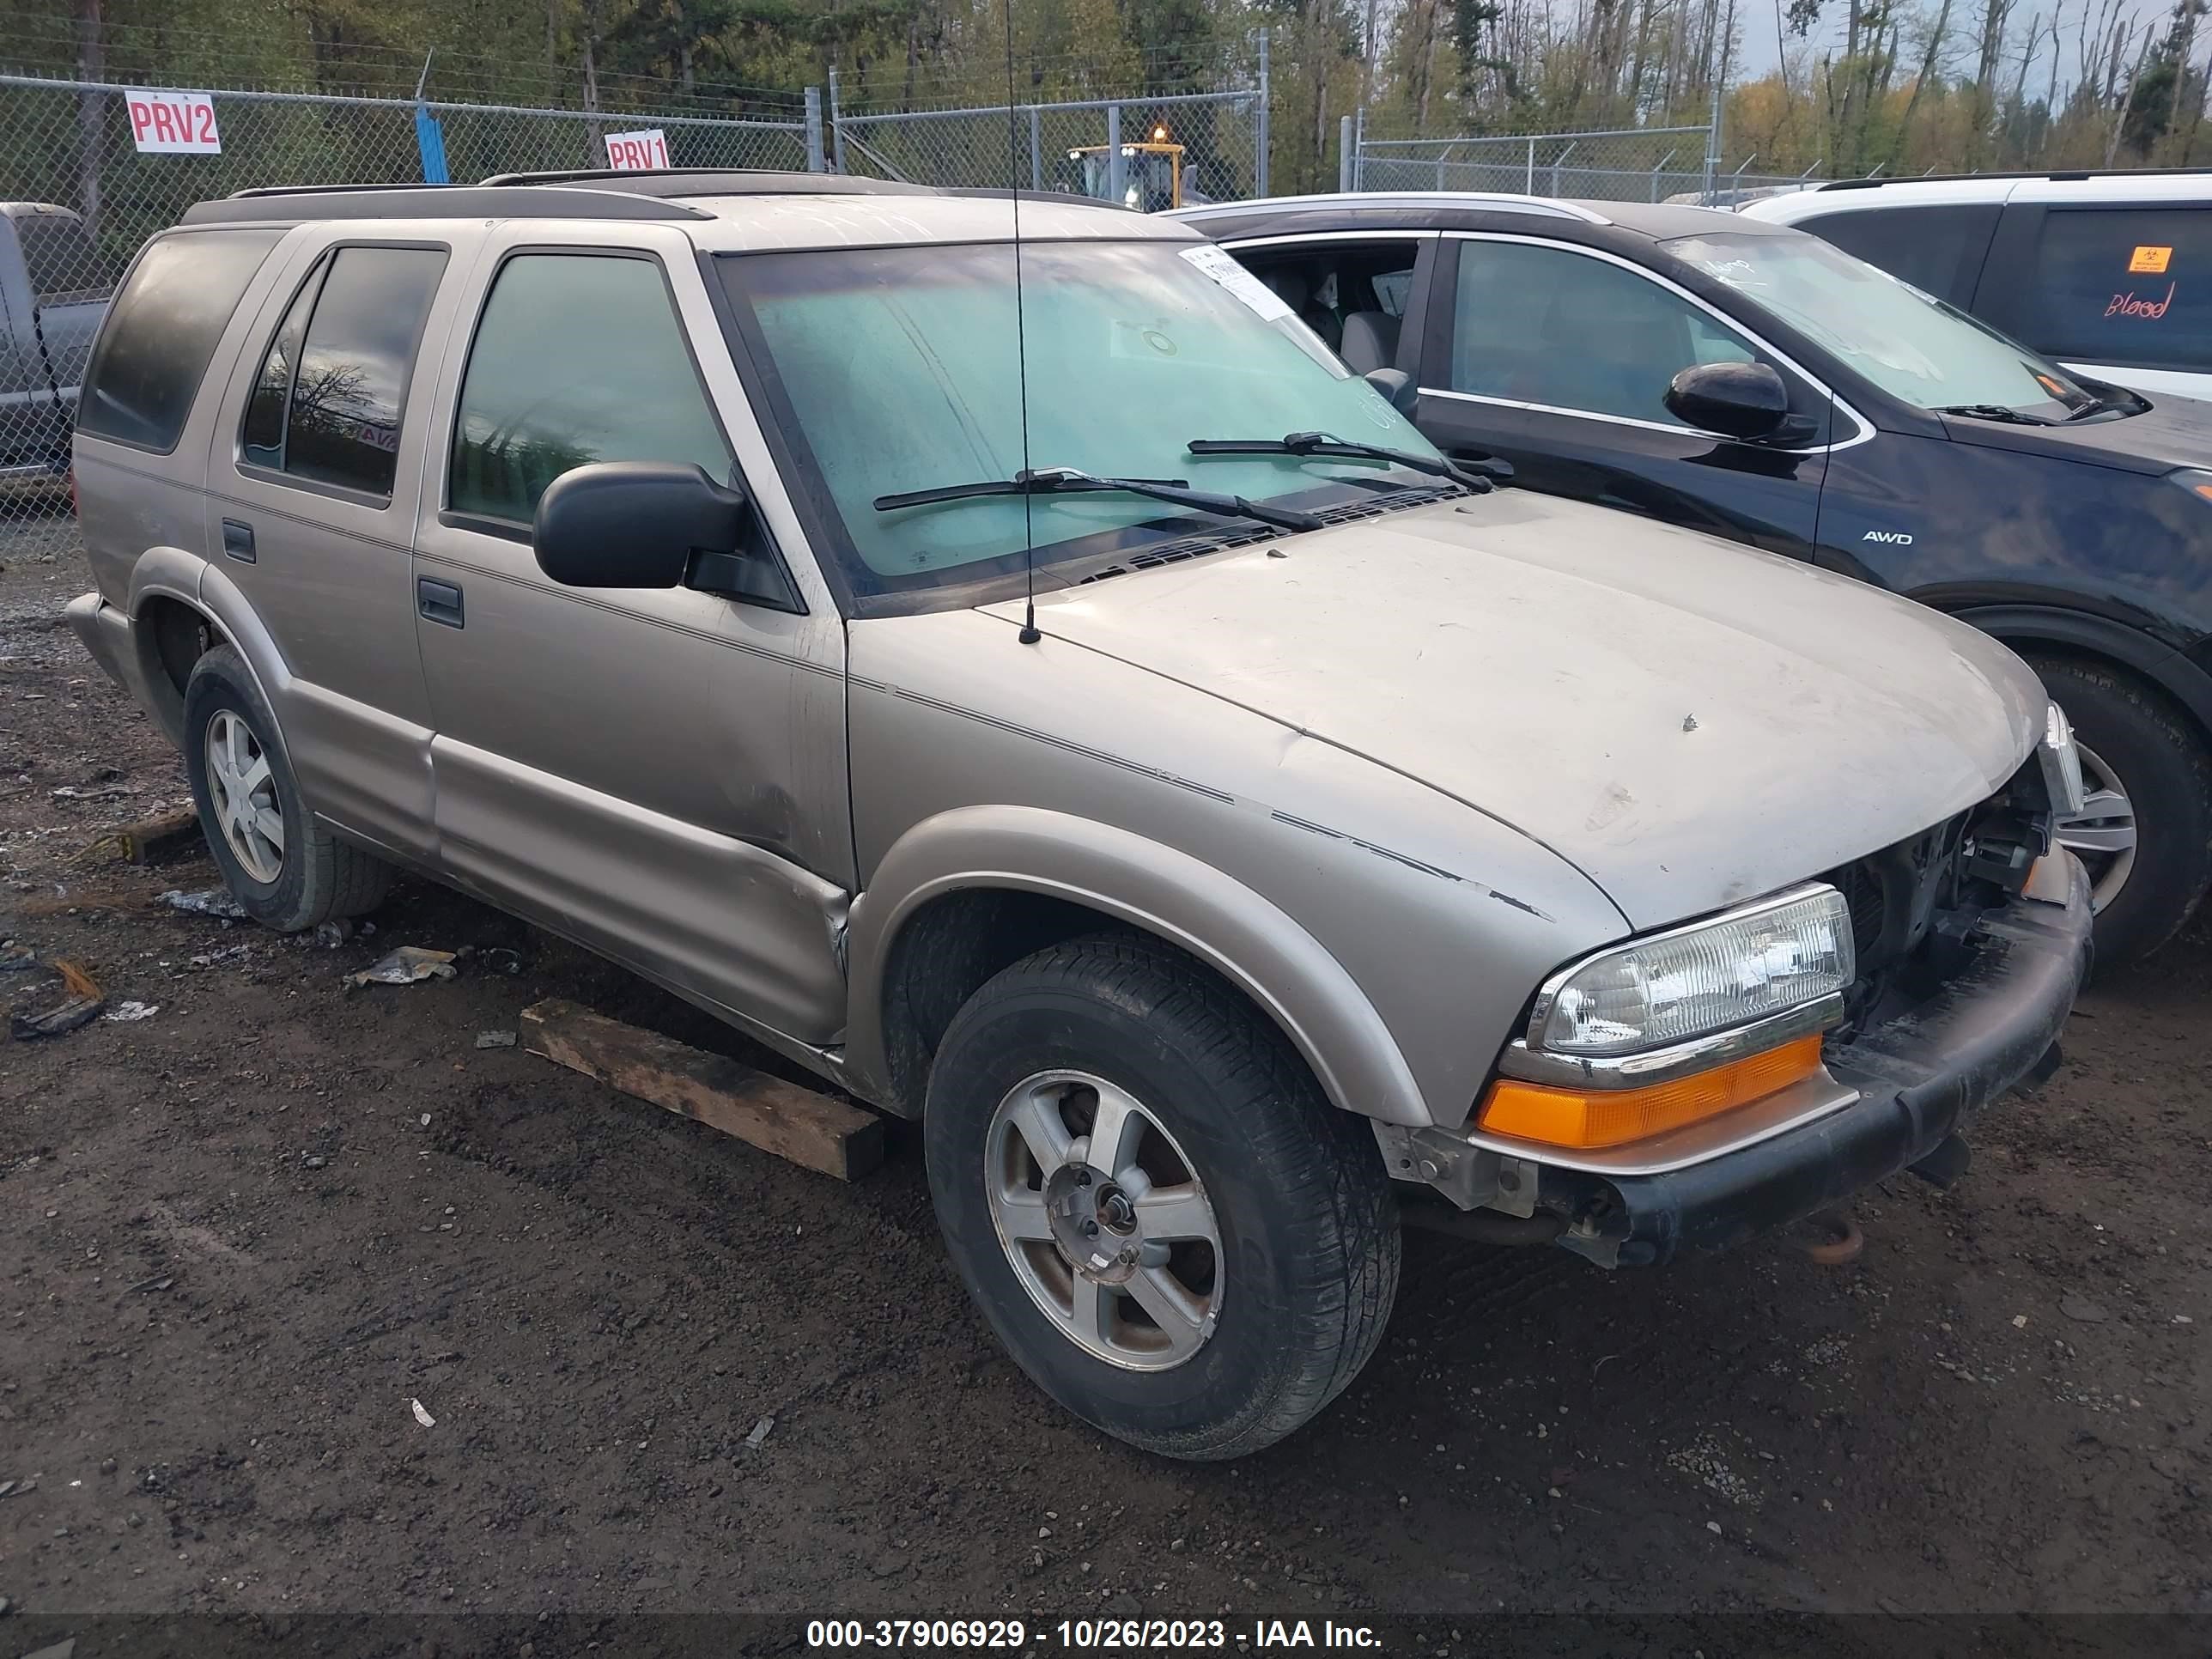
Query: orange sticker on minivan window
[(2150, 260)]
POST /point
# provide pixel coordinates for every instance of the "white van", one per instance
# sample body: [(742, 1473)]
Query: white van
[(2109, 272)]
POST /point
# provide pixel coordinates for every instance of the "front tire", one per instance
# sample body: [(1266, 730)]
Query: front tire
[(2146, 839), (283, 865), (1170, 1227)]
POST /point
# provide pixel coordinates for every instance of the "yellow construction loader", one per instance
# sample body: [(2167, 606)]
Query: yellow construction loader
[(1150, 172)]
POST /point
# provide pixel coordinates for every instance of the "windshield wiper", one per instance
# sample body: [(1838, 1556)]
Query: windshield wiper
[(1067, 480), (1995, 412), (1321, 443)]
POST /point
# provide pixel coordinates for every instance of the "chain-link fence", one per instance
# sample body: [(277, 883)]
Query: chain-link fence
[(1152, 152), (78, 196), (1643, 164), (79, 193)]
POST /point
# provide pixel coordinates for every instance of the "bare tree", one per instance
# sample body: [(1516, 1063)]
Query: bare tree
[(2127, 103), (2181, 94), (1931, 52)]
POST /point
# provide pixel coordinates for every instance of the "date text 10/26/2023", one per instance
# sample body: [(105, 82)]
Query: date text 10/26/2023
[(1088, 1634)]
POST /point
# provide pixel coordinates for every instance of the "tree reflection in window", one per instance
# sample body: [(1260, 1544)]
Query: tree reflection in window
[(328, 403)]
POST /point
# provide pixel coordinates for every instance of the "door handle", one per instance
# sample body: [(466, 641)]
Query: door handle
[(238, 540), (439, 602)]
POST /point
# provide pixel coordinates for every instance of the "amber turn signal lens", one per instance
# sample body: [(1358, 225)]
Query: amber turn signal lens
[(1587, 1118)]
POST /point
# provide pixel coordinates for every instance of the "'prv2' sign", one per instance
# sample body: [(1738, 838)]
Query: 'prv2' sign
[(172, 123), (637, 152)]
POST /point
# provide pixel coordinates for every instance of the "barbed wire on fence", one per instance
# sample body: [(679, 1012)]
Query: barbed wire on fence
[(51, 47), (1632, 164), (895, 87), (1151, 153)]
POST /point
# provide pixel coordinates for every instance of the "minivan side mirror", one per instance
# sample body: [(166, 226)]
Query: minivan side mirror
[(1397, 388), (1737, 400), (639, 524)]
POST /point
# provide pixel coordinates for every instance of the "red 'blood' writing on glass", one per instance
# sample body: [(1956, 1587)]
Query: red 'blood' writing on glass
[(2126, 305)]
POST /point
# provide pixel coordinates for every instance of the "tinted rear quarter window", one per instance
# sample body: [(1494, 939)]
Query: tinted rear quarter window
[(1937, 249), (161, 329), (2125, 286)]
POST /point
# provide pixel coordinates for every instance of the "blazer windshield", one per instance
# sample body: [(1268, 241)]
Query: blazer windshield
[(899, 370)]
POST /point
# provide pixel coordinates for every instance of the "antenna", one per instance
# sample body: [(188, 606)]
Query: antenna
[(1029, 634)]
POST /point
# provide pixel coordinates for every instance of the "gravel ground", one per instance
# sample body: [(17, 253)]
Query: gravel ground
[(241, 1237)]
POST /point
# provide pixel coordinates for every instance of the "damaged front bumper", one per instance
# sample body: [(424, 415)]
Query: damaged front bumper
[(1893, 1096)]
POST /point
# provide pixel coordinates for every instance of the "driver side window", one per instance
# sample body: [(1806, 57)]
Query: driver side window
[(1549, 326), (578, 358)]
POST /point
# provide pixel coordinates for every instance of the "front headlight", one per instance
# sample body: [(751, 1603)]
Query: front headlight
[(2061, 761), (1743, 965)]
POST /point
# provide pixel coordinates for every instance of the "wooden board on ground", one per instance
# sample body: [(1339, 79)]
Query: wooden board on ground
[(818, 1130), (153, 841)]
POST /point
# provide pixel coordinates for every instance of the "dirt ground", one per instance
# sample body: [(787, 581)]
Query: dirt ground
[(240, 1236)]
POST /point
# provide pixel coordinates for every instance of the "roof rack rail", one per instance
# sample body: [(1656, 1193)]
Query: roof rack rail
[(586, 193), (1043, 197), (2057, 176), (1495, 201), (311, 190), (282, 206), (670, 182)]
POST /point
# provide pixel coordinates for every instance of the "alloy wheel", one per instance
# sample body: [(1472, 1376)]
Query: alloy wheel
[(2103, 833), (1104, 1220), (243, 793)]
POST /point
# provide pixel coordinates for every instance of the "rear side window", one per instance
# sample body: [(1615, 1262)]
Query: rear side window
[(2127, 286), (579, 358), (160, 332), (58, 254), (325, 407), (1939, 250)]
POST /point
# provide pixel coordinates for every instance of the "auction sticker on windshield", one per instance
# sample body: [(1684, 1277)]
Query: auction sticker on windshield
[(1224, 270)]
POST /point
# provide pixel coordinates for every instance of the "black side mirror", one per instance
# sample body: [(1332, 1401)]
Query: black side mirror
[(1397, 387), (639, 524), (1737, 400)]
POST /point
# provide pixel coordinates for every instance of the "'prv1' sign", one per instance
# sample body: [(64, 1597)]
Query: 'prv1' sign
[(172, 123), (635, 152)]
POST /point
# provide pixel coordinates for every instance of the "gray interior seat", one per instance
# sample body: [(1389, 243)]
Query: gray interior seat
[(1370, 340)]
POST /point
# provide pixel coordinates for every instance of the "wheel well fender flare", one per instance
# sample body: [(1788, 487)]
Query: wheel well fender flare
[(1287, 973), (171, 574), (2169, 670), (249, 636)]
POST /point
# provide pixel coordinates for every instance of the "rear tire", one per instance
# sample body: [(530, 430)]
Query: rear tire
[(1279, 1279), (2146, 841), (243, 785)]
